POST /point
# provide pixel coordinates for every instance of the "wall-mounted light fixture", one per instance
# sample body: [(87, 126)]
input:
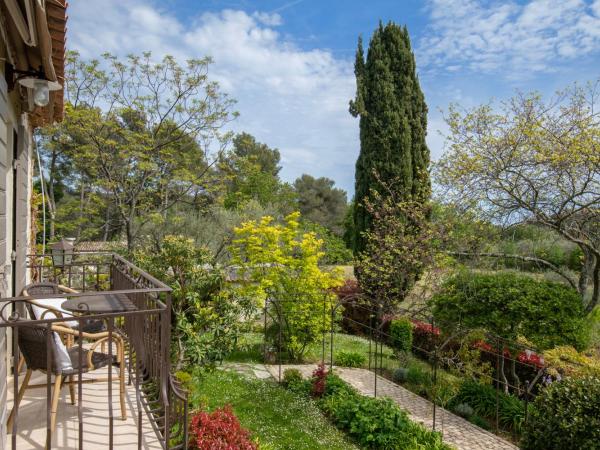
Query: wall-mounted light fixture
[(32, 79)]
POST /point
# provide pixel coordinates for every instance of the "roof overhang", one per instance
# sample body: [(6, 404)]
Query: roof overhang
[(35, 33)]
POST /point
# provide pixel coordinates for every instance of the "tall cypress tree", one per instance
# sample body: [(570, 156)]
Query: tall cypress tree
[(393, 123)]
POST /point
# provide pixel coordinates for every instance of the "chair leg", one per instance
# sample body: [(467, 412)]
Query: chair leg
[(21, 364), (19, 398), (55, 397), (122, 382), (72, 389)]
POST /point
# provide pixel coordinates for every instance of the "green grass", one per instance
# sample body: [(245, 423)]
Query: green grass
[(350, 343), (279, 418), (249, 349)]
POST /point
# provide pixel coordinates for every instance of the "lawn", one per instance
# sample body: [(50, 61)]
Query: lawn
[(279, 418), (249, 349)]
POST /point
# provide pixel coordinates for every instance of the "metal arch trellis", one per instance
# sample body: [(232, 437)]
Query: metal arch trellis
[(373, 329)]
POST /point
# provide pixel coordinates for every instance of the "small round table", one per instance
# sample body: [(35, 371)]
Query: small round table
[(99, 304)]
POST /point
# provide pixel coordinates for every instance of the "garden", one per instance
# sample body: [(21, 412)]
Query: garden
[(472, 283)]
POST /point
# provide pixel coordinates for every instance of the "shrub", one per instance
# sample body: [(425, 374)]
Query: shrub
[(401, 334), (464, 410), (219, 429), (512, 305), (282, 264), (377, 423), (206, 317), (568, 361), (566, 415), (319, 377), (291, 376), (400, 375), (335, 385), (350, 359), (482, 398), (480, 422), (418, 376)]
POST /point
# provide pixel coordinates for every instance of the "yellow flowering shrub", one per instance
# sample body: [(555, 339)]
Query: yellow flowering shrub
[(565, 360), (278, 267)]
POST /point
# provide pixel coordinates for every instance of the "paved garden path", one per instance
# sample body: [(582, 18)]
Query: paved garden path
[(457, 431)]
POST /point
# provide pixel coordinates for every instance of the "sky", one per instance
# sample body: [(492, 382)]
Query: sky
[(289, 63)]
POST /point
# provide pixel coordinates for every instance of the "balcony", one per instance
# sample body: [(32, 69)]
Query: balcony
[(126, 370)]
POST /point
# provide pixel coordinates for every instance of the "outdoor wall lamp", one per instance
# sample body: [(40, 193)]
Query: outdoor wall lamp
[(62, 253), (33, 79)]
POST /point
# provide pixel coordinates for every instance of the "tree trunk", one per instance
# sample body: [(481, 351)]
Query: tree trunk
[(106, 223), (596, 289), (81, 208), (129, 234), (586, 270), (50, 191)]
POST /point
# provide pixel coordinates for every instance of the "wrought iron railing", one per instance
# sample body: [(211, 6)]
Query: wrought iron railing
[(144, 330)]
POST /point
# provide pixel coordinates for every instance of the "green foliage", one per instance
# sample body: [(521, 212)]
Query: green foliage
[(511, 305), (401, 334), (464, 410), (349, 231), (291, 376), (350, 359), (375, 422), (393, 123), (334, 247), (206, 317), (211, 227), (282, 266), (566, 415), (399, 245), (480, 422), (567, 361), (320, 202), (400, 375), (278, 417), (489, 158), (482, 398), (464, 231), (251, 172), (133, 144)]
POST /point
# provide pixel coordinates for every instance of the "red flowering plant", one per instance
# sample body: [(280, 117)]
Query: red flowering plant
[(527, 357), (319, 379), (219, 430), (425, 328)]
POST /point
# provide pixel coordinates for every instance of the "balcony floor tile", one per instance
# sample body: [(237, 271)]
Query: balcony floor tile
[(32, 418)]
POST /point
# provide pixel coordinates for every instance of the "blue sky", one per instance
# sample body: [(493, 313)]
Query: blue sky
[(289, 62)]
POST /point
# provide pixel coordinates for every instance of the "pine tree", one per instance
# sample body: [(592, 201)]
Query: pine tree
[(393, 123)]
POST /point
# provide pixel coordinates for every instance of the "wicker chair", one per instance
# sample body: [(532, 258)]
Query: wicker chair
[(38, 290), (50, 310), (64, 362)]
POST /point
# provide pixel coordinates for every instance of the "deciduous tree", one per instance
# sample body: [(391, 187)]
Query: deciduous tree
[(142, 132), (533, 161)]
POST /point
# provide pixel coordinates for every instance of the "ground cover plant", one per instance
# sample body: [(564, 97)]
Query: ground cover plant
[(482, 399), (276, 417), (374, 423)]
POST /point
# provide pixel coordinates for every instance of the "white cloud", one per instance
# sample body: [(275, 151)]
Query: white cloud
[(508, 37), (289, 98)]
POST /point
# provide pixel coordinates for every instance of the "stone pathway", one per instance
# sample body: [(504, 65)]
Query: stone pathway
[(457, 431), (250, 370)]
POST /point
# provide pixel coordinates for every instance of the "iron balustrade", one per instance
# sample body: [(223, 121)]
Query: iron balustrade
[(145, 331)]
